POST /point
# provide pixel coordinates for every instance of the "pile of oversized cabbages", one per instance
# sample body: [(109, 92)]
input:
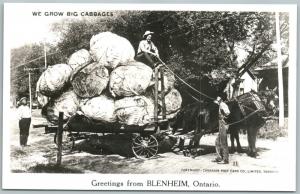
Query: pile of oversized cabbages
[(106, 84)]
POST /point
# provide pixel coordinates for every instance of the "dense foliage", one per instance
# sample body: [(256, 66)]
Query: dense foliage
[(204, 48)]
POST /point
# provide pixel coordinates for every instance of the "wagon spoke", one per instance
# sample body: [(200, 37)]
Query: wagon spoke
[(152, 149), (139, 146), (138, 139), (152, 146), (143, 152), (152, 152), (138, 150), (138, 143)]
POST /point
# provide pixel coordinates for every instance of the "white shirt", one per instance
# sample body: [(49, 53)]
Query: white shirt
[(146, 46), (23, 112), (223, 108)]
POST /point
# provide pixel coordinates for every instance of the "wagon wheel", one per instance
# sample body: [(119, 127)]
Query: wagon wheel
[(144, 147)]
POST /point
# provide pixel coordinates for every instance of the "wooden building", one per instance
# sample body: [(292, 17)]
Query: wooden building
[(247, 82)]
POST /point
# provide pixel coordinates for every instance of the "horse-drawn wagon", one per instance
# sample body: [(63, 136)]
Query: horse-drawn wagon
[(143, 140)]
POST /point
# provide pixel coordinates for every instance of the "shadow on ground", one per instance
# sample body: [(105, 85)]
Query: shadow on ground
[(52, 168)]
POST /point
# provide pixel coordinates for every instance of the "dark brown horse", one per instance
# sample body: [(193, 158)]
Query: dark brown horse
[(269, 99), (202, 117)]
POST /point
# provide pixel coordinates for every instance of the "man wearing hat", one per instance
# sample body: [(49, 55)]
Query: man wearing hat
[(221, 141), (24, 116), (147, 51)]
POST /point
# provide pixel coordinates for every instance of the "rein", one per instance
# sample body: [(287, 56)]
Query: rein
[(243, 119)]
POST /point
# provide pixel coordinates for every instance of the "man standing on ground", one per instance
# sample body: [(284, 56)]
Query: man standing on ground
[(221, 141), (24, 116)]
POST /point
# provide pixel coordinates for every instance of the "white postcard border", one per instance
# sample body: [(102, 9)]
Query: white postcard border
[(263, 182)]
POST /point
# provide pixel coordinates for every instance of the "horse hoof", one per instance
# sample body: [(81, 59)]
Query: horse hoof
[(175, 149), (186, 153), (252, 154)]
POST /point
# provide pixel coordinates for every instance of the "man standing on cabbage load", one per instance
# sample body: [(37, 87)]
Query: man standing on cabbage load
[(147, 51)]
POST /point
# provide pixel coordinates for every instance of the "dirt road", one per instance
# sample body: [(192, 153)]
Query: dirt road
[(40, 156)]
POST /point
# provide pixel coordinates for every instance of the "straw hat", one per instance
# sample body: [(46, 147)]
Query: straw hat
[(147, 33), (23, 98)]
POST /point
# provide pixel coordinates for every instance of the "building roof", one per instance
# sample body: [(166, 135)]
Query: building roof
[(273, 64), (251, 74)]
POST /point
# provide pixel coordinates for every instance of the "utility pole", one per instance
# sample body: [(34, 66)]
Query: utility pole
[(30, 70), (280, 77), (45, 54), (30, 98)]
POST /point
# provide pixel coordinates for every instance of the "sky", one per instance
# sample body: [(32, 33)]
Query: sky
[(21, 27), (27, 29)]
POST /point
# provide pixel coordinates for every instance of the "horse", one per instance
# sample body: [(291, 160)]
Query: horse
[(269, 99), (202, 117)]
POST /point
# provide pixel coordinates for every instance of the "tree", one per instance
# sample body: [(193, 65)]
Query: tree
[(196, 45), (29, 56)]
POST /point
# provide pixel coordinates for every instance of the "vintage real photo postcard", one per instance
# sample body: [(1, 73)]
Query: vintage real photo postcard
[(177, 97)]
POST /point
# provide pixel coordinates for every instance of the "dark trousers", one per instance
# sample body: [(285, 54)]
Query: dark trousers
[(147, 58), (24, 125), (221, 141)]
